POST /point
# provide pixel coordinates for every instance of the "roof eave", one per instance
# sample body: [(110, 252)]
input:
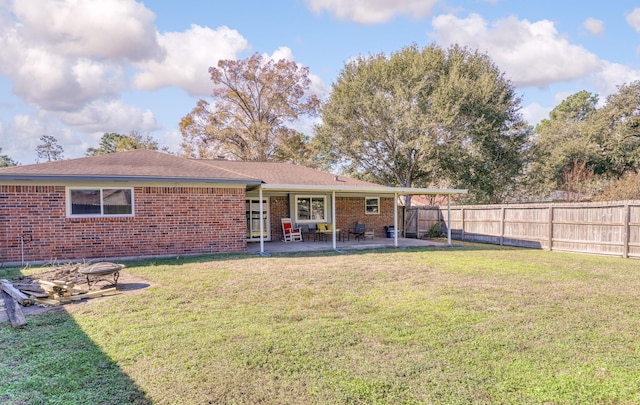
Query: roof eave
[(153, 179), (362, 189)]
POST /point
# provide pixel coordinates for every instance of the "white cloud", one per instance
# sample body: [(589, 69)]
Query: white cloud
[(534, 113), (633, 19), (110, 116), (319, 87), (60, 55), (613, 75), (532, 54), (283, 52), (188, 57), (55, 83), (594, 26), (23, 133), (89, 28), (372, 11), (75, 131)]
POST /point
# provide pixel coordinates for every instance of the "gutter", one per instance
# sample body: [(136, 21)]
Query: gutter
[(158, 179)]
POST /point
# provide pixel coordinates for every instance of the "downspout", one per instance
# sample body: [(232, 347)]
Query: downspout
[(395, 220), (261, 223), (333, 218)]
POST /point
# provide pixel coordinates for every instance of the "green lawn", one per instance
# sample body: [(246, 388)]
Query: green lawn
[(473, 324)]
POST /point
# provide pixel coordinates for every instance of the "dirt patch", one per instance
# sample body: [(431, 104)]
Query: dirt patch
[(127, 284)]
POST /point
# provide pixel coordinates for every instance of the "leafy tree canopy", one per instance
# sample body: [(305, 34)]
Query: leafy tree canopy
[(6, 160), (617, 129), (423, 117), (255, 101), (587, 144), (113, 142), (561, 144)]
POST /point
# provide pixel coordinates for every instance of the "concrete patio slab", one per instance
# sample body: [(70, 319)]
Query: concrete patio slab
[(318, 246)]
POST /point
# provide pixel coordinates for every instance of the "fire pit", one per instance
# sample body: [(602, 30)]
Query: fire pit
[(103, 271)]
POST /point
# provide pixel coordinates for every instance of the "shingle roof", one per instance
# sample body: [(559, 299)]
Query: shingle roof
[(144, 164), (133, 164), (286, 173)]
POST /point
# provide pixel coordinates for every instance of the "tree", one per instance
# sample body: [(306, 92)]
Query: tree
[(6, 161), (423, 117), (113, 142), (562, 145), (254, 101), (483, 136), (49, 149), (600, 144), (626, 187), (616, 129)]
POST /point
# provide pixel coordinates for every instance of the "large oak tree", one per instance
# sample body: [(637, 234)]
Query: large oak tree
[(425, 117), (255, 102)]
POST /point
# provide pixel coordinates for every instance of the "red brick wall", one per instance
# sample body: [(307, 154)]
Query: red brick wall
[(167, 221), (349, 210)]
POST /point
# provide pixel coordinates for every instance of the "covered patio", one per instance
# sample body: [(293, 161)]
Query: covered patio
[(320, 246), (335, 242)]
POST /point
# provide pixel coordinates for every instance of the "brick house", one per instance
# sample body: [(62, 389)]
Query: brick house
[(144, 203)]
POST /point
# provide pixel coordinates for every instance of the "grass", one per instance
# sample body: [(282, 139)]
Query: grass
[(476, 324)]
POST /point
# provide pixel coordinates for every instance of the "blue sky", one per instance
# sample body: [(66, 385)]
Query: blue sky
[(75, 69)]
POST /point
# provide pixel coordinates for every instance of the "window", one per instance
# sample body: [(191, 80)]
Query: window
[(311, 208), (372, 205), (98, 202)]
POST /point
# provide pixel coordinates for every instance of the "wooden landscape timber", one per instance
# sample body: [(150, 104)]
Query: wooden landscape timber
[(14, 312), (52, 287), (17, 295)]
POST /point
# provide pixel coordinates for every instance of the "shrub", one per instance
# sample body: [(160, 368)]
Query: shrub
[(435, 231)]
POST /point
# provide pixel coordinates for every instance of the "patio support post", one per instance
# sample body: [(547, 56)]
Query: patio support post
[(395, 220), (261, 224), (449, 219), (333, 218)]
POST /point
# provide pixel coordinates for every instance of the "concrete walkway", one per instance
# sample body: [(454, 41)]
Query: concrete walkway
[(318, 246)]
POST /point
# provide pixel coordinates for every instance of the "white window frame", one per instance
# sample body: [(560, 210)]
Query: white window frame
[(311, 197), (377, 205), (101, 214)]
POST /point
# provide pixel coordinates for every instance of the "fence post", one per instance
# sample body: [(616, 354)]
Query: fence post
[(626, 230), (449, 219), (462, 224), (501, 226), (550, 242)]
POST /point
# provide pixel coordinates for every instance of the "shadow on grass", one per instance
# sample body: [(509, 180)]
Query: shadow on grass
[(51, 360)]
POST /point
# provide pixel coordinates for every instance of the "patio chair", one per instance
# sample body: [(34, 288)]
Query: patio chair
[(325, 230), (306, 230), (289, 233), (358, 230)]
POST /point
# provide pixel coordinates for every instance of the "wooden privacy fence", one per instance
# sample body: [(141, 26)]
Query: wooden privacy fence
[(610, 228)]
